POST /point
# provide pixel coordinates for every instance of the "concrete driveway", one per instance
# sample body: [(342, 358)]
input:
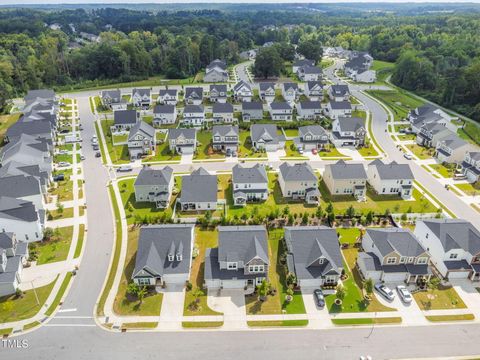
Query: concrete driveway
[(350, 151), (232, 304), (172, 307), (470, 296), (276, 155), (186, 159), (317, 317)]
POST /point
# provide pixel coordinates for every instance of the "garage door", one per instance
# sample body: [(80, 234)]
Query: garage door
[(310, 283), (391, 277), (458, 274), (233, 284), (213, 284)]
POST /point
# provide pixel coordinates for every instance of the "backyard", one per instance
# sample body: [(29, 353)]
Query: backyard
[(421, 152)]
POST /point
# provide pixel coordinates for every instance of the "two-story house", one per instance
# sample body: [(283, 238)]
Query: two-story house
[(290, 92), (250, 184), (141, 98), (309, 73), (336, 109), (431, 133), (299, 63), (193, 95), (218, 93), (393, 255), (216, 71), (311, 137), (314, 90), (182, 141), (345, 179), (111, 98), (252, 111), (266, 137), (23, 187), (242, 92), (348, 131), (451, 149), (339, 93), (193, 115), (154, 186), (309, 110), (391, 179), (454, 247), (471, 166), (299, 182), (199, 191), (281, 111), (168, 96), (141, 140), (164, 255), (222, 113), (313, 255), (358, 68), (225, 138), (21, 218), (241, 259), (267, 91), (429, 114), (13, 256), (124, 120), (164, 115)]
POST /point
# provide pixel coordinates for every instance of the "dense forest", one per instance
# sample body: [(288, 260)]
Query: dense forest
[(437, 54)]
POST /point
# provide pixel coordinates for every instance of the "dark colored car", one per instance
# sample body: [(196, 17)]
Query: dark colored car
[(319, 298), (97, 154), (59, 177)]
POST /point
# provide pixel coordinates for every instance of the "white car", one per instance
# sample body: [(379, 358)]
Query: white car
[(63, 164), (125, 168), (407, 156), (385, 291), (404, 294)]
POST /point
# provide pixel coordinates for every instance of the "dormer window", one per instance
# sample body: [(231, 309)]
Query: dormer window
[(321, 261), (179, 257), (453, 256), (403, 260), (170, 257), (391, 260), (232, 266)]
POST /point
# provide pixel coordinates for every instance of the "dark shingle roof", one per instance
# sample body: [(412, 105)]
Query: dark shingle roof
[(340, 105), (125, 117), (142, 127), (297, 172), (16, 209), (149, 176), (242, 243), (252, 105), (280, 105), (194, 92), (249, 175), (342, 170), (222, 108), (392, 171), (455, 234), (340, 90), (193, 109), (311, 105), (316, 130), (266, 85), (19, 186), (350, 123), (186, 133), (164, 109), (225, 130), (402, 241), (199, 186)]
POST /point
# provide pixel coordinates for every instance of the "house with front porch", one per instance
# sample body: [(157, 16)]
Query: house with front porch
[(393, 255), (391, 179), (168, 96), (250, 184), (471, 166), (193, 96), (346, 179), (225, 138), (222, 113), (336, 109), (154, 186), (299, 63), (267, 91), (290, 92), (193, 115), (309, 110), (299, 182), (339, 93), (311, 137), (218, 93), (164, 255), (313, 255), (240, 260), (429, 114), (281, 111), (199, 191), (453, 245), (348, 131), (309, 73), (431, 133), (141, 140), (314, 90), (13, 256), (451, 149), (252, 111), (110, 97), (242, 92), (182, 141), (124, 120), (164, 115), (266, 137), (141, 98)]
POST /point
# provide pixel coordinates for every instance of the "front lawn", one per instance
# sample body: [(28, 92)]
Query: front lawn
[(162, 153), (367, 321), (446, 172), (421, 152), (204, 149), (368, 151), (332, 152), (56, 248), (291, 150), (245, 149), (56, 214), (441, 299), (469, 189), (118, 154)]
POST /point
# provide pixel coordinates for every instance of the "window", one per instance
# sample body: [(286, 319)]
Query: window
[(422, 260), (321, 260), (170, 257), (232, 266), (453, 256), (426, 236), (410, 259), (179, 257), (391, 260), (143, 281), (403, 260), (256, 268)]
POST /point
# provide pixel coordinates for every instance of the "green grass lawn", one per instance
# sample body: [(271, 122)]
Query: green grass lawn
[(275, 323), (469, 189), (60, 293), (383, 69), (470, 131), (118, 154), (291, 132), (440, 299), (367, 321), (125, 304), (5, 122), (332, 152), (441, 318), (400, 103), (162, 153), (367, 151), (291, 150), (421, 152), (97, 102), (202, 324), (446, 172), (65, 214), (55, 249), (120, 139), (245, 149), (204, 146), (63, 157), (140, 325), (81, 236), (348, 235)]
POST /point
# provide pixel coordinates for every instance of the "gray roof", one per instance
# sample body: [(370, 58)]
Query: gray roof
[(263, 86), (149, 176), (435, 128), (19, 186), (342, 170), (41, 128), (350, 123), (193, 109), (340, 90), (156, 242), (315, 130), (452, 141), (142, 127), (455, 234), (241, 84), (340, 105), (141, 92), (303, 62), (266, 132), (217, 63), (357, 64), (6, 240), (297, 172), (186, 133), (309, 244), (312, 84), (114, 94), (402, 241), (194, 93), (219, 88), (125, 117), (280, 105), (290, 85), (225, 130), (370, 261), (164, 109), (475, 155), (310, 70), (223, 108), (392, 171), (249, 175), (199, 186), (252, 105), (242, 243), (16, 209), (171, 92), (311, 105), (39, 93), (12, 168)]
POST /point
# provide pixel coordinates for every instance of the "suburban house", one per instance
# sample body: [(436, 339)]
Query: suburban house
[(199, 191), (266, 137), (314, 90), (22, 218), (299, 181), (193, 95), (281, 110), (454, 247), (267, 91), (168, 96), (309, 110), (13, 255), (252, 111), (393, 255), (216, 71), (182, 141), (164, 255), (250, 184), (113, 99), (193, 115), (391, 179), (339, 93), (311, 137), (154, 186), (23, 187), (346, 179), (218, 93), (141, 98), (241, 259), (431, 133), (164, 115), (359, 68), (429, 114), (471, 166), (452, 149), (124, 120), (297, 64), (141, 140), (290, 92), (336, 109), (313, 255), (348, 131), (222, 113), (242, 92), (309, 73), (225, 138)]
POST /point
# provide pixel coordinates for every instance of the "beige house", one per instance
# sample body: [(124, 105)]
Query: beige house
[(346, 179)]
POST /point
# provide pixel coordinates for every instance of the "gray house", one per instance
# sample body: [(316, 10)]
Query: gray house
[(309, 110), (141, 98), (313, 255), (431, 133), (124, 120), (225, 138), (250, 184), (222, 113), (281, 110), (110, 97), (216, 71), (311, 137), (349, 131), (154, 186), (314, 90), (13, 255), (339, 93), (199, 191), (164, 255), (252, 111), (266, 137), (218, 93), (168, 96), (241, 259), (391, 179), (299, 181), (242, 91), (267, 91), (182, 141), (141, 140), (193, 95), (164, 115)]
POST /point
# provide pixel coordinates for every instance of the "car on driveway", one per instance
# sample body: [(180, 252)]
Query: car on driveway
[(63, 164), (404, 294), (59, 177), (319, 298), (125, 168), (385, 291), (407, 156)]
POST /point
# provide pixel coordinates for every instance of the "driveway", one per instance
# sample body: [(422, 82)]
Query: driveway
[(186, 159), (317, 317), (276, 155), (350, 151), (470, 296), (232, 304), (172, 307)]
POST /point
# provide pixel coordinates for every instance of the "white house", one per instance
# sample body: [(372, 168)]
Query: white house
[(21, 218), (471, 166), (222, 113), (218, 93), (193, 115), (452, 149), (250, 184), (345, 179), (199, 191), (164, 115), (242, 92), (309, 110), (314, 90), (168, 96), (267, 91), (281, 111), (141, 98), (391, 179), (348, 131), (290, 92), (336, 109), (299, 181), (339, 93)]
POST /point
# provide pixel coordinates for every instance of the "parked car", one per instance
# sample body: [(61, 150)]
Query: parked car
[(63, 164), (319, 298), (95, 147), (97, 154), (59, 177), (229, 152), (300, 151), (407, 156), (404, 294), (125, 168), (385, 291), (82, 157)]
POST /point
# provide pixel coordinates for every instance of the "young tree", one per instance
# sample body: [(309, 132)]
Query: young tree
[(340, 293), (142, 291), (368, 285), (59, 207), (433, 284), (263, 290), (350, 212)]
